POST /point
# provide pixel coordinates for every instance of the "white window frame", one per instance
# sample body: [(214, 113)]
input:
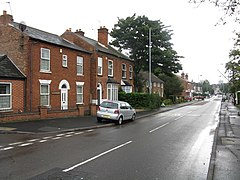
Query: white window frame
[(110, 68), (64, 60), (130, 72), (124, 71), (127, 89), (112, 91), (79, 84), (100, 66), (7, 95), (45, 83), (45, 58), (80, 65)]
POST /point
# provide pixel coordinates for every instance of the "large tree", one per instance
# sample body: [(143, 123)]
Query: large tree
[(132, 36)]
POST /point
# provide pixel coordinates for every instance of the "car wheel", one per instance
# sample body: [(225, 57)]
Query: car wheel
[(120, 120), (133, 117), (99, 119)]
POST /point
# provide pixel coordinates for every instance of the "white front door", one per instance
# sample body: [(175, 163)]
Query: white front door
[(64, 98)]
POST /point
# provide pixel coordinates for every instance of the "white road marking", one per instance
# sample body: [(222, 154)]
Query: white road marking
[(26, 144), (61, 135), (69, 135), (56, 138), (158, 127), (6, 148), (33, 140), (95, 157), (70, 132), (16, 143), (44, 140), (78, 133), (179, 117), (48, 137), (90, 130)]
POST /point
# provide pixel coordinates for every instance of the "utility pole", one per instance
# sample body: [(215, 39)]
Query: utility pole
[(150, 62)]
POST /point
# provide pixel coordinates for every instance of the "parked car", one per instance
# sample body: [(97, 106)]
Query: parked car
[(117, 111)]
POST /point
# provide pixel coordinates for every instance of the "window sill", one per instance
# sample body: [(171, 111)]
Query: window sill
[(47, 72)]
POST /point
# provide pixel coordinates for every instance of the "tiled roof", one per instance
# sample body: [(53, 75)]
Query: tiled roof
[(99, 47), (145, 76), (8, 69), (48, 37)]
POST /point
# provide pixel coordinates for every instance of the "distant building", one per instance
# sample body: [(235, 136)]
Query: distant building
[(188, 87), (157, 84)]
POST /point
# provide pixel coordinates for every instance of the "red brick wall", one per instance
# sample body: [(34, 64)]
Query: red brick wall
[(17, 94)]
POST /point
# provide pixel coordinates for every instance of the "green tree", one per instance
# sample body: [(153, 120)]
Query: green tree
[(132, 35), (206, 87), (172, 85)]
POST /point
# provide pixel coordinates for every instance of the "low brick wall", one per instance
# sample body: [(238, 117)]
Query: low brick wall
[(43, 113)]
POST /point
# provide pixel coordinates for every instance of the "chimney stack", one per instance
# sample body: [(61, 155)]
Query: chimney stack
[(103, 35), (5, 19), (79, 32), (182, 75)]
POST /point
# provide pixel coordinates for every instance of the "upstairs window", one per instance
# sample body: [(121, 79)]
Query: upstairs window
[(99, 66), (124, 71), (64, 60), (79, 65), (5, 96), (130, 72), (110, 68), (45, 60)]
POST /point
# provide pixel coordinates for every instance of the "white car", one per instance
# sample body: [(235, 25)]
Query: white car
[(115, 110)]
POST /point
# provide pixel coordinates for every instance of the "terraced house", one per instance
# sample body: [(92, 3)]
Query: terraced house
[(59, 76)]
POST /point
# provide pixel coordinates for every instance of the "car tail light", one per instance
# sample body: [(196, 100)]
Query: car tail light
[(116, 111), (99, 108)]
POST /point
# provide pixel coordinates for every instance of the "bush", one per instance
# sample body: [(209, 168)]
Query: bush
[(141, 100), (168, 102)]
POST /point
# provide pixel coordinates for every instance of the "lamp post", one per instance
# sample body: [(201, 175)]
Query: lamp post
[(150, 62)]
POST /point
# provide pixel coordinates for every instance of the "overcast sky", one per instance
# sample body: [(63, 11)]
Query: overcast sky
[(204, 45)]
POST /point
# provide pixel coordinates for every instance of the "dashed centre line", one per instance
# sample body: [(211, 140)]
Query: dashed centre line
[(42, 140), (158, 127)]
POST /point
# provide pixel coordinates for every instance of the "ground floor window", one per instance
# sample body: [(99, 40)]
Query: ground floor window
[(127, 89), (45, 92), (80, 92), (5, 96), (112, 91)]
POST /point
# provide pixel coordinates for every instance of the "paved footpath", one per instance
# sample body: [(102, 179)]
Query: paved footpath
[(225, 159)]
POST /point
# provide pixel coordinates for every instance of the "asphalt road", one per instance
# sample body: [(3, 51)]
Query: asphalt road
[(171, 145)]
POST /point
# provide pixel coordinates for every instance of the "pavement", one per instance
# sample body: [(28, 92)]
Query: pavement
[(225, 156)]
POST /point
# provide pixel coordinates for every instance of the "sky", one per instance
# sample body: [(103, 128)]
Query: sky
[(204, 45)]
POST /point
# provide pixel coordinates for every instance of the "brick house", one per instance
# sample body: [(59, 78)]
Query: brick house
[(56, 70), (110, 69), (12, 84), (157, 84), (64, 75), (187, 85)]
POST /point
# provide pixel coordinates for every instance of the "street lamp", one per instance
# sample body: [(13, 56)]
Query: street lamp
[(150, 62)]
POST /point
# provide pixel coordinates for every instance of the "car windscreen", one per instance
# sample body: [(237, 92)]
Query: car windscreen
[(109, 105)]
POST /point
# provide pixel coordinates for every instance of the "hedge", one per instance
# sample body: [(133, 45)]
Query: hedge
[(141, 100)]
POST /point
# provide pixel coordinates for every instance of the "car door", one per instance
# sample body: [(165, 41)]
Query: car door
[(124, 112)]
